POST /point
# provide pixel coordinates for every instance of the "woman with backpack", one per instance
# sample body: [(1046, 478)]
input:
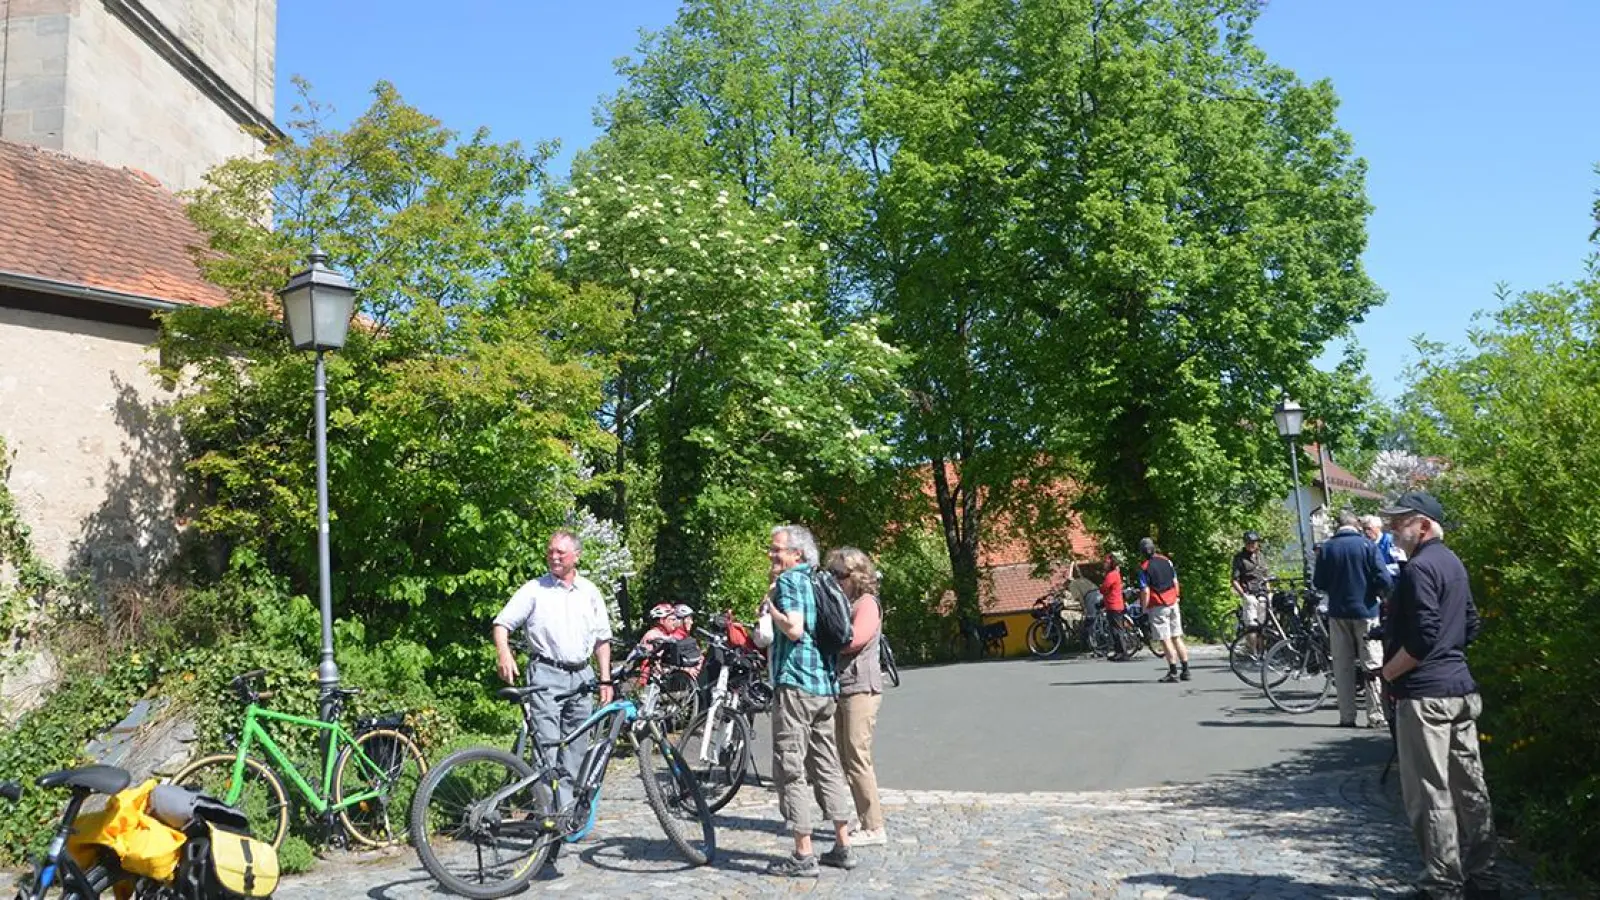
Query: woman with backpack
[(860, 690)]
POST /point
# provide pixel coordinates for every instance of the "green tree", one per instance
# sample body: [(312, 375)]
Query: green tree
[(736, 392), (1109, 234), (1513, 417), (457, 411), (1161, 230)]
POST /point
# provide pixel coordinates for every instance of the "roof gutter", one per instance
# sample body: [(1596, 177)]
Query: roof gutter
[(39, 285)]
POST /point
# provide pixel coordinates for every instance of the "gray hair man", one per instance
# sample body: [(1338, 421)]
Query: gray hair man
[(805, 683), (1431, 620), (1354, 578)]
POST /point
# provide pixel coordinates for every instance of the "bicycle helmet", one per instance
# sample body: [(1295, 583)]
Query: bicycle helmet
[(682, 611), (1147, 547), (1250, 537), (661, 611)]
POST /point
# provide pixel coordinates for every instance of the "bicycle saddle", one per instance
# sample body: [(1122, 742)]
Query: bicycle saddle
[(518, 694), (97, 779)]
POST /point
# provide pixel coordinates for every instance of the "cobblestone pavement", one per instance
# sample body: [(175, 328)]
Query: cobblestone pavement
[(1296, 831)]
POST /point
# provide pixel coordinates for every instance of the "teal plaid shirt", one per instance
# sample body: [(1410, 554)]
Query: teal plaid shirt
[(798, 664)]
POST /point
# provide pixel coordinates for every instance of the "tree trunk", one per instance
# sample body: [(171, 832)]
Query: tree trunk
[(959, 515)]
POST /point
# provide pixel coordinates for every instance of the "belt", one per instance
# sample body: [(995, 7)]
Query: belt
[(565, 667)]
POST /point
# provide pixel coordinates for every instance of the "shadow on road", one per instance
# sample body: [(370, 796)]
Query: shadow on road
[(1230, 885), (382, 891), (1264, 723), (1103, 681)]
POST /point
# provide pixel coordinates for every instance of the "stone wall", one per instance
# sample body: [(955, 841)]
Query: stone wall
[(33, 70), (95, 466), (78, 78)]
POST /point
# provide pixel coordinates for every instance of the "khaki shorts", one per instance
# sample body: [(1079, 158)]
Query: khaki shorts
[(1165, 622), (1253, 608)]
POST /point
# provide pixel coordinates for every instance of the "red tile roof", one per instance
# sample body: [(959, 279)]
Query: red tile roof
[(1339, 478), (86, 224)]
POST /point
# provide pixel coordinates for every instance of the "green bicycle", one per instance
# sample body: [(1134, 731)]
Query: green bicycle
[(368, 777)]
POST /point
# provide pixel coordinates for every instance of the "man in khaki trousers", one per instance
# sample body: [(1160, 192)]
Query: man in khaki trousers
[(1432, 619)]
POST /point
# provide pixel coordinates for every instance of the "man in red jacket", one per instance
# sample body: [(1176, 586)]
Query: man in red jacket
[(1116, 610)]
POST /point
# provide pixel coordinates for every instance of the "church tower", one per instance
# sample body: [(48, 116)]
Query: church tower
[(170, 87)]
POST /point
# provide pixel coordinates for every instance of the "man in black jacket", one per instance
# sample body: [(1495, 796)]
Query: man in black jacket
[(1432, 619), (1351, 574)]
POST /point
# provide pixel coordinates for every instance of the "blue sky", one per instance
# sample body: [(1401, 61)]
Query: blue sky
[(1476, 117)]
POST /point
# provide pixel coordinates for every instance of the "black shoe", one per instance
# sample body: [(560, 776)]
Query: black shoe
[(1483, 890), (1184, 675), (794, 867), (839, 858), (1169, 678)]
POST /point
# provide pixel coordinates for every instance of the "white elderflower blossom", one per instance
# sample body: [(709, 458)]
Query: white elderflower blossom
[(694, 244), (566, 210), (823, 247), (663, 241), (694, 183), (592, 246), (669, 271), (633, 272)]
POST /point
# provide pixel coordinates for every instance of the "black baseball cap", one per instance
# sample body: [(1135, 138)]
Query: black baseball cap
[(1250, 537), (1418, 502)]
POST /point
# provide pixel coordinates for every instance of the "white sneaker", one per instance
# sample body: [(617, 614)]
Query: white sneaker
[(869, 837)]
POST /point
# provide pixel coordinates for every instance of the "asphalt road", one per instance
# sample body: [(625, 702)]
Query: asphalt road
[(1089, 725)]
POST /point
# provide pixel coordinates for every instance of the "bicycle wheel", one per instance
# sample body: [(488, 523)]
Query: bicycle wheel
[(680, 701), (1244, 659), (1044, 638), (472, 843), (261, 797), (718, 753), (392, 768), (886, 661), (1157, 648), (1307, 677), (674, 796)]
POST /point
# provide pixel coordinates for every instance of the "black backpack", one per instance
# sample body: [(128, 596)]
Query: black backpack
[(833, 614)]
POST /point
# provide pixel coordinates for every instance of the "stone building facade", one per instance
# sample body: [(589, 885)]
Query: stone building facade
[(169, 87), (91, 255)]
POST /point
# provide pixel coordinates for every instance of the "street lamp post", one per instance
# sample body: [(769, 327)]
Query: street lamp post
[(317, 305), (1289, 416)]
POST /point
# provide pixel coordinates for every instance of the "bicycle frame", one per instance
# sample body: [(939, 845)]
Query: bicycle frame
[(334, 736), (628, 711)]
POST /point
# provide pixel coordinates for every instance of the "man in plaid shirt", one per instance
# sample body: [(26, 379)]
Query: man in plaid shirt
[(807, 689)]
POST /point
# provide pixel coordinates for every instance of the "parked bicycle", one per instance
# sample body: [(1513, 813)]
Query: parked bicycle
[(974, 639), (366, 778), (57, 868), (886, 660), (485, 820), (717, 744), (193, 869), (1047, 633), (1250, 643), (1297, 671)]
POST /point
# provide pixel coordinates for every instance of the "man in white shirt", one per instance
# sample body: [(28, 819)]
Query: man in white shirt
[(564, 620)]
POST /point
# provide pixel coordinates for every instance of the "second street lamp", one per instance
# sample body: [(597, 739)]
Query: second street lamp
[(1290, 417), (317, 305)]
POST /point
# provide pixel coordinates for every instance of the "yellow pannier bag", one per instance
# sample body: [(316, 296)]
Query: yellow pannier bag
[(143, 845), (242, 866)]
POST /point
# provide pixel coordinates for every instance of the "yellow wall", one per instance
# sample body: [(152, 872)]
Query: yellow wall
[(1016, 630)]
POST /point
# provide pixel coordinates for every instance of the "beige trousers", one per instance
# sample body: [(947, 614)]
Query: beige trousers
[(858, 719), (1447, 801), (1353, 654), (805, 752)]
